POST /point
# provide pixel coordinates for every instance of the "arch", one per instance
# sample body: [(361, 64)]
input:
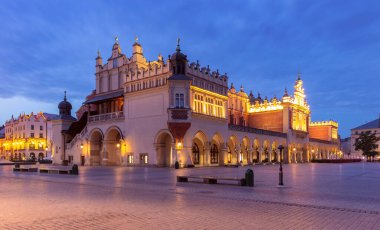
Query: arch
[(164, 142), (198, 145), (274, 152), (256, 150), (112, 154), (218, 140), (214, 154), (32, 156), (96, 138), (232, 150), (244, 151), (40, 156), (265, 154), (112, 129)]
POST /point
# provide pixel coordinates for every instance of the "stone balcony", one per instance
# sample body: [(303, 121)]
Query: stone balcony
[(179, 115)]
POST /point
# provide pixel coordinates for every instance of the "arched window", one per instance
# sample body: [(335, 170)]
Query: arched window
[(195, 151), (214, 153)]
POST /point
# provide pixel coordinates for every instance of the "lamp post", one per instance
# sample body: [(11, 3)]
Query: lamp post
[(281, 179)]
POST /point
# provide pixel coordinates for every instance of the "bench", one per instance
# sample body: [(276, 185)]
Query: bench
[(210, 179), (56, 170), (25, 169), (232, 165)]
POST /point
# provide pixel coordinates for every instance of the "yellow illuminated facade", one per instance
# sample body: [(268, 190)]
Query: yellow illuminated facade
[(26, 137)]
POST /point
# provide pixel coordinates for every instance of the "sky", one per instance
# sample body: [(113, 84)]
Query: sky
[(47, 47)]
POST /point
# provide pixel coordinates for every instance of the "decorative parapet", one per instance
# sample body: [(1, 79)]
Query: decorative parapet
[(263, 107), (324, 123)]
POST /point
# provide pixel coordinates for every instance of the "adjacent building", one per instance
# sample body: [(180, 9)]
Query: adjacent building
[(162, 111), (27, 136), (372, 126)]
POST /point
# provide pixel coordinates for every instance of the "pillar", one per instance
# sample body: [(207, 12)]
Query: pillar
[(207, 154)]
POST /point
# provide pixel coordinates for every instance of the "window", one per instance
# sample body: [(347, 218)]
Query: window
[(130, 159), (143, 158), (179, 100), (198, 103), (114, 63), (31, 134), (214, 154), (41, 135), (41, 127), (32, 127)]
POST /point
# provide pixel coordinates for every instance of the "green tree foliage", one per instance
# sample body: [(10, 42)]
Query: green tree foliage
[(367, 143)]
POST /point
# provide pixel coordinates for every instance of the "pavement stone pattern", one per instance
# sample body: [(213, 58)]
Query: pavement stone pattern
[(315, 196)]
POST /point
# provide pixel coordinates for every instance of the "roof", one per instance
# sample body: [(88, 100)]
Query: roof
[(104, 97), (50, 116), (180, 77), (2, 132), (370, 125)]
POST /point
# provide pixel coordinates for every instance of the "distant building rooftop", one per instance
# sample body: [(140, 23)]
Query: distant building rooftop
[(370, 125), (2, 131)]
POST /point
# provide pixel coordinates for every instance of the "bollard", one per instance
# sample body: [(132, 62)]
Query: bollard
[(75, 170), (249, 178)]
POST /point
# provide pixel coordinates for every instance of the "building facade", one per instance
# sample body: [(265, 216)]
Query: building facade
[(159, 112), (373, 127), (27, 137)]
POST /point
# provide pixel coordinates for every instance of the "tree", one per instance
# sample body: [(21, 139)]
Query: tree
[(367, 143)]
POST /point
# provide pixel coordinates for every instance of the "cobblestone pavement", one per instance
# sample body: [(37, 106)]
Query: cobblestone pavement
[(316, 196)]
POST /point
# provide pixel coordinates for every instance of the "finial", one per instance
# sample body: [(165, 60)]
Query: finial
[(299, 75), (178, 48), (241, 88), (251, 94), (136, 39), (116, 39), (98, 53), (64, 98), (232, 86), (286, 92)]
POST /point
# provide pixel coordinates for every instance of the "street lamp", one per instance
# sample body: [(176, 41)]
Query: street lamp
[(281, 179)]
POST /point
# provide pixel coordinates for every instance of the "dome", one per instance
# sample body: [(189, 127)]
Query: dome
[(178, 56), (65, 107)]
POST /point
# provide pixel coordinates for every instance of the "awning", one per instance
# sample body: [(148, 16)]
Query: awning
[(104, 97)]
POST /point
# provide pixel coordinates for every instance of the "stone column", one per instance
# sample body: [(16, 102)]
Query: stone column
[(250, 155), (223, 157), (207, 154), (237, 153), (260, 154)]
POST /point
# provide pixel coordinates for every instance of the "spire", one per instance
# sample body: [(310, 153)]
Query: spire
[(232, 86), (299, 76), (116, 39), (250, 94), (136, 39), (241, 88), (64, 98), (178, 49), (286, 93), (99, 53)]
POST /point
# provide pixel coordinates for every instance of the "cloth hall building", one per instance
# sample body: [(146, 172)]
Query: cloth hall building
[(159, 112)]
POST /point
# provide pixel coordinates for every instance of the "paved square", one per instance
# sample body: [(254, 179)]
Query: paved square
[(316, 196)]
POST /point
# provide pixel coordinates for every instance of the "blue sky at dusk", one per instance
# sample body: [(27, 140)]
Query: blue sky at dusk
[(47, 47)]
